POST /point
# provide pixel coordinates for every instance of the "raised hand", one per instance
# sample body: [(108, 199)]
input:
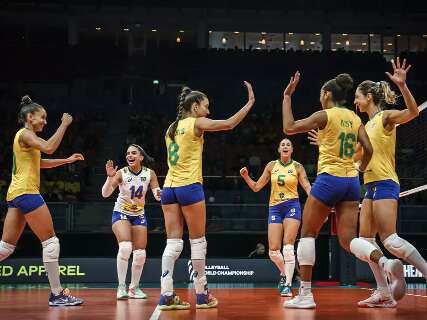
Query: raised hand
[(66, 119), (75, 157), (244, 172), (399, 72), (293, 82), (110, 169), (251, 96), (313, 136)]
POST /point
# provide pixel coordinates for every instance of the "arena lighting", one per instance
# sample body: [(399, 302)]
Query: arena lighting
[(347, 43), (153, 30), (178, 40), (338, 43), (126, 29), (317, 34), (286, 42), (302, 42), (155, 81), (210, 31), (312, 42), (345, 34), (371, 35), (262, 41), (181, 31), (363, 43), (398, 35), (236, 32), (290, 33), (98, 28), (389, 44), (224, 40), (263, 33)]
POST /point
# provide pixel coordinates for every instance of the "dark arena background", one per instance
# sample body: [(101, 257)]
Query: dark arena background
[(118, 66)]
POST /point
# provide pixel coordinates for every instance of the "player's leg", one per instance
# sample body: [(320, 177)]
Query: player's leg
[(139, 241), (385, 212), (291, 225), (38, 217), (13, 226), (381, 297), (192, 201), (122, 230), (174, 224), (275, 236)]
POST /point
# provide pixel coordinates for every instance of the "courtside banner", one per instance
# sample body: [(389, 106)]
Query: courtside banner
[(217, 270), (104, 270)]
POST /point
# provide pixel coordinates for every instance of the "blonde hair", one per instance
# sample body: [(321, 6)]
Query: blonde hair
[(380, 91)]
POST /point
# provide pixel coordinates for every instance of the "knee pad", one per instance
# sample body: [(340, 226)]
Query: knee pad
[(398, 246), (273, 254), (6, 249), (306, 252), (139, 256), (173, 248), (373, 241), (198, 248), (51, 249), (125, 250), (289, 253)]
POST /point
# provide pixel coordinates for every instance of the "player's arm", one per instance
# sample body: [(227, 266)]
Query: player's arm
[(262, 181), (114, 178), (154, 185), (290, 126), (367, 148), (52, 163), (302, 178), (394, 117), (357, 156), (29, 139), (206, 124)]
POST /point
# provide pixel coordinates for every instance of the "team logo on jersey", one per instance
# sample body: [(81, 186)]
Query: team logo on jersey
[(129, 179), (282, 195), (290, 171), (277, 170), (143, 178)]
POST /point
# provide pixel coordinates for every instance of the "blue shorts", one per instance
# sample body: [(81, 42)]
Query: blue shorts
[(134, 220), (384, 189), (184, 196), (331, 190), (285, 210), (27, 202)]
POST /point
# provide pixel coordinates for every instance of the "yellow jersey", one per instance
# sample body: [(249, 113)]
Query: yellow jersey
[(337, 143), (184, 155), (25, 170), (284, 182), (382, 165)]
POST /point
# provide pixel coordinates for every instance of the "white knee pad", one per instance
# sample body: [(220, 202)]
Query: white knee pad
[(373, 241), (289, 253), (139, 257), (398, 246), (173, 248), (6, 249), (198, 248), (274, 254), (306, 251), (125, 250), (51, 249)]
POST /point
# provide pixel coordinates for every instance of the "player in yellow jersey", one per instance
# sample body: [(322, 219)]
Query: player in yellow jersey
[(182, 196), (379, 207), (129, 220), (284, 216), (336, 185), (25, 204)]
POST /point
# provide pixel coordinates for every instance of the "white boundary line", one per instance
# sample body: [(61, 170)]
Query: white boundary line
[(407, 294), (156, 313)]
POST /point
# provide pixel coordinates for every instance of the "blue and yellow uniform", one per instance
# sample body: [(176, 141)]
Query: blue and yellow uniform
[(337, 178), (24, 189), (183, 182), (284, 202), (381, 180)]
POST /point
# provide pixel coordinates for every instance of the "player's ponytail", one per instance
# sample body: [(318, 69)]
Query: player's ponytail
[(185, 100), (27, 106), (389, 96)]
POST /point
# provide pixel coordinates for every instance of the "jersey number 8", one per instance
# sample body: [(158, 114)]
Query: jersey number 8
[(173, 153)]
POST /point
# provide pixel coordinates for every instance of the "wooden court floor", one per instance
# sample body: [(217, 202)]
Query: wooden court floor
[(254, 303)]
